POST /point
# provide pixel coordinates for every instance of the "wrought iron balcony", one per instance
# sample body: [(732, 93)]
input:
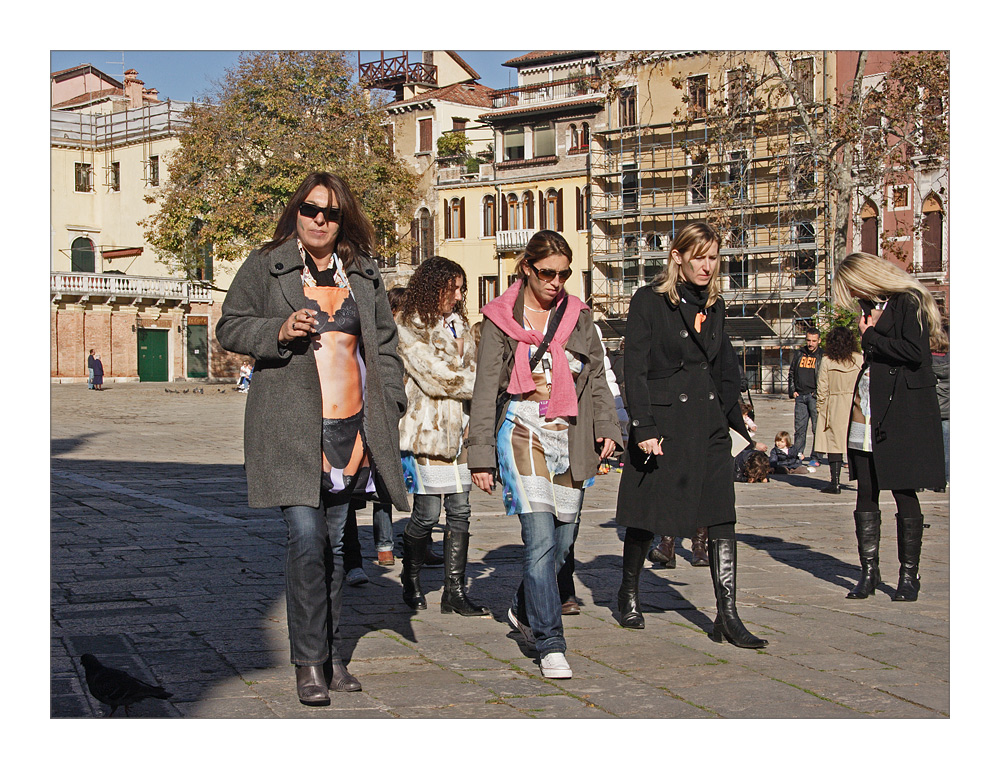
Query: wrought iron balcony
[(88, 284)]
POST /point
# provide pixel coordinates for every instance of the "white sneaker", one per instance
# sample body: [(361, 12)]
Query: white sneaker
[(554, 665), (356, 577), (524, 630)]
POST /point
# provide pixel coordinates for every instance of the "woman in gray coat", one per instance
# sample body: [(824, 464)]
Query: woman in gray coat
[(321, 421), (682, 378)]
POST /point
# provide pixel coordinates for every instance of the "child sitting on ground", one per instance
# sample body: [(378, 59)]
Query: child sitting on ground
[(751, 465), (783, 461)]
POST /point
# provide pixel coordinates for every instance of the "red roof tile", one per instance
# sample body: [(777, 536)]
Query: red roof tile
[(474, 94), (543, 56)]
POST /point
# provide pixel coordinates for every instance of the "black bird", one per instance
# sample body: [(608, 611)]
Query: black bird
[(116, 687)]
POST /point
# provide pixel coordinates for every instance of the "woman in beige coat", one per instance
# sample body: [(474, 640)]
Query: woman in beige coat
[(838, 374)]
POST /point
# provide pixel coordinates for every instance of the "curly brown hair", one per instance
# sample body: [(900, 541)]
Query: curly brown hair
[(757, 467), (427, 287), (841, 341)]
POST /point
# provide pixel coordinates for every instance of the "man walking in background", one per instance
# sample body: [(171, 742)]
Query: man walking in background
[(802, 387), (90, 370)]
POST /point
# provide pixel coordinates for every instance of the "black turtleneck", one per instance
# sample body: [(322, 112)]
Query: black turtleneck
[(692, 294)]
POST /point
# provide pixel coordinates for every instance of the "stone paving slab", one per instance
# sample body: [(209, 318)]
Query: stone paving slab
[(159, 567)]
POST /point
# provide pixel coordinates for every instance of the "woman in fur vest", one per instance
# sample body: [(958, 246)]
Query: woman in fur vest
[(439, 356)]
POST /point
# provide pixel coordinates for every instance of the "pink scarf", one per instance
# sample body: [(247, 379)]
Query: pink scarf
[(501, 311)]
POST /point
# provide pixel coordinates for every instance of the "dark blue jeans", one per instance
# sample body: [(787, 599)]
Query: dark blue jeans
[(547, 543), (805, 412), (427, 512), (314, 579), (382, 527), (946, 432)]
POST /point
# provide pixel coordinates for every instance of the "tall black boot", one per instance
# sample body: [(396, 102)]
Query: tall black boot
[(722, 560), (633, 556), (834, 487), (456, 554), (414, 552), (867, 526), (909, 535)]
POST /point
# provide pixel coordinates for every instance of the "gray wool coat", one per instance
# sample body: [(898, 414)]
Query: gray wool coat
[(282, 436)]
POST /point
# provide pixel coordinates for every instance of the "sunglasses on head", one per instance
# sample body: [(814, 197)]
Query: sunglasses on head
[(549, 275), (309, 211)]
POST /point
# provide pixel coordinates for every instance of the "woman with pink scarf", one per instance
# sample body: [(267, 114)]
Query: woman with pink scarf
[(542, 410)]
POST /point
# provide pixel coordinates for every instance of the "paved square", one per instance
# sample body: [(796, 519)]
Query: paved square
[(160, 568)]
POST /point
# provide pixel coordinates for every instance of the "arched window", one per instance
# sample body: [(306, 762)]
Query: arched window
[(932, 235), (82, 255), (513, 213), (489, 216), (454, 223), (574, 137), (869, 228), (585, 136), (422, 235), (552, 210), (528, 210)]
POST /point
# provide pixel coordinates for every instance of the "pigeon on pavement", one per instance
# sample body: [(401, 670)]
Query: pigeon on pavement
[(116, 687)]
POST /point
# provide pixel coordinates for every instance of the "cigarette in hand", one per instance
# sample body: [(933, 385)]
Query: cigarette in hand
[(650, 454)]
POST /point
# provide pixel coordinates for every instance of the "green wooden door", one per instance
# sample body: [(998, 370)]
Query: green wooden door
[(197, 351), (152, 354)]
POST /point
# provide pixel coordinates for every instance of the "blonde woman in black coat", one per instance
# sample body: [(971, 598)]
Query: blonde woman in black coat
[(682, 381), (894, 439)]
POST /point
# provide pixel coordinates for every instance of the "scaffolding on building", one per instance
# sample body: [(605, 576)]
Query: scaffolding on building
[(747, 173)]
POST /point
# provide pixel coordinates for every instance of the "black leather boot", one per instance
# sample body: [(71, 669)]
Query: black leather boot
[(867, 527), (909, 535), (310, 683), (456, 554), (834, 487), (633, 556), (414, 552), (664, 553), (722, 560)]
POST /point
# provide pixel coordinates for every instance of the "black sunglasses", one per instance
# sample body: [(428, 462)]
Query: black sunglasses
[(549, 275), (309, 211)]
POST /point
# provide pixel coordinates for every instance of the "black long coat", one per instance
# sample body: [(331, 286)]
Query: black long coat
[(907, 443), (682, 385)]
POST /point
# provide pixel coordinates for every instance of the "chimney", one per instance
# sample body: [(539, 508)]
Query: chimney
[(133, 88)]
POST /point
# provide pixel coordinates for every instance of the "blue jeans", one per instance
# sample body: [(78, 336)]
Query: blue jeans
[(547, 543), (427, 511), (382, 527), (946, 431), (805, 412), (314, 579), (90, 379)]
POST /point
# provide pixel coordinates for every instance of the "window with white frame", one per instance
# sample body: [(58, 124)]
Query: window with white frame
[(513, 144), (115, 176), (544, 140), (528, 210), (489, 288), (424, 134), (512, 212), (899, 194), (489, 227), (697, 95), (627, 103), (454, 223)]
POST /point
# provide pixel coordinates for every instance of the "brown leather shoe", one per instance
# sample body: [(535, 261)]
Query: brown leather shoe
[(663, 553), (570, 606), (386, 558), (699, 547), (311, 686), (341, 680)]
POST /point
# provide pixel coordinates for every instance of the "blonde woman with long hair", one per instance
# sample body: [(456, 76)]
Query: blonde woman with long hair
[(894, 437), (682, 382)]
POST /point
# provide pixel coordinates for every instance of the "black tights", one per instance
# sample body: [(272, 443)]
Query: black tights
[(863, 467), (719, 531)]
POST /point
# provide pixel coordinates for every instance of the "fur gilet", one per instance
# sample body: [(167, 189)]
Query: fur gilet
[(438, 386)]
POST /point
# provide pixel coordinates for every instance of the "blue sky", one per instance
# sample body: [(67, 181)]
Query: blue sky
[(187, 75)]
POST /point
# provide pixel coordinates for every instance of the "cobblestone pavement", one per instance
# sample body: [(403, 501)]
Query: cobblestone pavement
[(159, 567)]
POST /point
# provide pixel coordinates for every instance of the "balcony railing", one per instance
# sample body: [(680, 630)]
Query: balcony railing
[(97, 284), (513, 240), (396, 71), (541, 93)]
